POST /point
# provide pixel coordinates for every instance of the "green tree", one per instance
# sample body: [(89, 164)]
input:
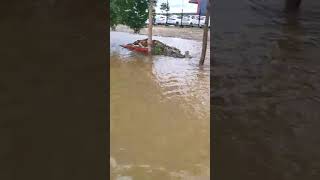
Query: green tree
[(114, 14), (165, 7), (132, 13)]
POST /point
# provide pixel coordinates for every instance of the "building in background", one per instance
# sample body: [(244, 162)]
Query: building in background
[(202, 6)]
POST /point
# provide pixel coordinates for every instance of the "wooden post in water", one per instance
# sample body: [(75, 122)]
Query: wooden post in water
[(205, 35), (150, 27), (292, 5)]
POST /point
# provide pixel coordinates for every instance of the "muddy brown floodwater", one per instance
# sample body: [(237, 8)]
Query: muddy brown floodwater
[(266, 86), (160, 127)]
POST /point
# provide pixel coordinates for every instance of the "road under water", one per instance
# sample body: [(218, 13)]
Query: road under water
[(266, 86), (160, 127)]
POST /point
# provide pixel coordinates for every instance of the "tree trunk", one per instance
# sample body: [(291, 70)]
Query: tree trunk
[(205, 35), (150, 27)]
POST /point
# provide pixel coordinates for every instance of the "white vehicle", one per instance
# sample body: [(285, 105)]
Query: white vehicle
[(202, 22), (160, 19), (186, 21), (174, 20), (195, 20), (192, 17), (173, 16)]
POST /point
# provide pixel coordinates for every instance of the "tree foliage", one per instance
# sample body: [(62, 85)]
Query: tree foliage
[(165, 7), (114, 14), (132, 13)]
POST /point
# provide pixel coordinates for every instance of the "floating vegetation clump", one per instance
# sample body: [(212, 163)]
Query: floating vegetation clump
[(158, 47)]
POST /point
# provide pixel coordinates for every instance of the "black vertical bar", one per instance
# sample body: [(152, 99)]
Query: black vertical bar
[(53, 86)]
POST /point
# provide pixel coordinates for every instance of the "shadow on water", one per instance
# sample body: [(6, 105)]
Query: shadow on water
[(159, 113)]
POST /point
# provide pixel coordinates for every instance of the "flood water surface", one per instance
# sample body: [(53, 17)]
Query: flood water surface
[(159, 113), (266, 85)]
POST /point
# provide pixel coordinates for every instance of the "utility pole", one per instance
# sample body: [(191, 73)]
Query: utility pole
[(199, 17), (167, 13), (181, 13), (205, 35), (181, 18), (150, 27)]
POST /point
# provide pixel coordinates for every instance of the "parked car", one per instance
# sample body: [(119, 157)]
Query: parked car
[(202, 22), (186, 21), (174, 20), (160, 19), (195, 21), (193, 17)]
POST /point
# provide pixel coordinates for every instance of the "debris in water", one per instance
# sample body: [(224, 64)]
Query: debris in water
[(158, 47)]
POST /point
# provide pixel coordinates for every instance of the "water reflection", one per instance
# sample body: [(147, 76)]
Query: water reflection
[(159, 113)]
